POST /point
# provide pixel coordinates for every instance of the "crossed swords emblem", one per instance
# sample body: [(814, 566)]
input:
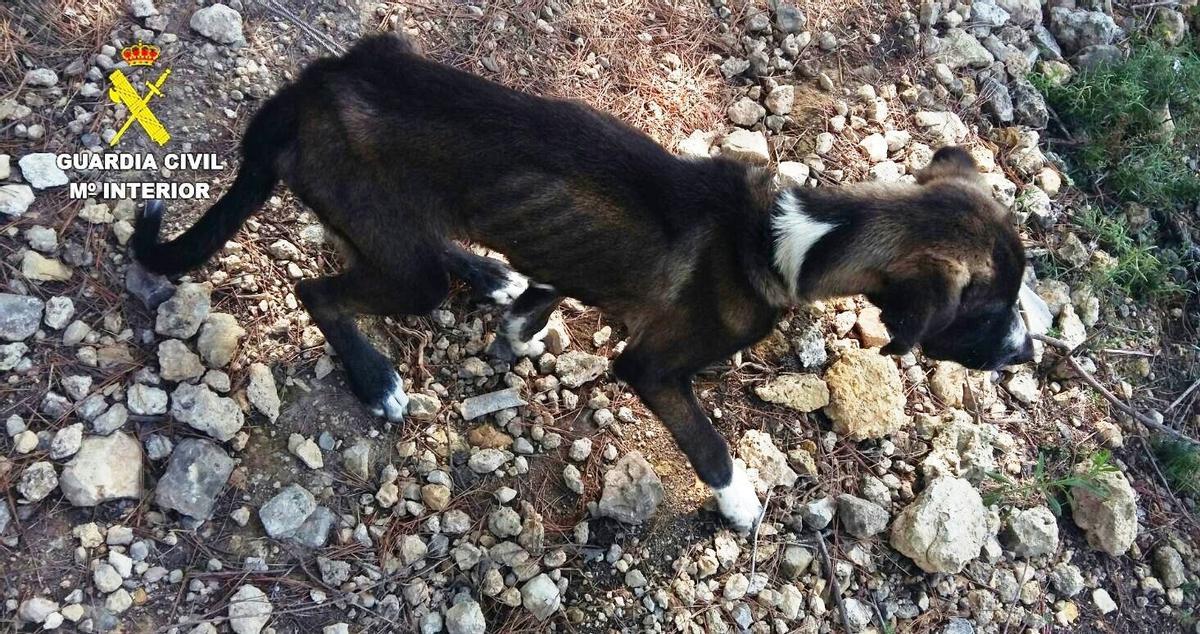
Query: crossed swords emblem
[(123, 92)]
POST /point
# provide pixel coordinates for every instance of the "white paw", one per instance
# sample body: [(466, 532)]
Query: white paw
[(394, 403), (513, 286), (534, 347), (738, 501)]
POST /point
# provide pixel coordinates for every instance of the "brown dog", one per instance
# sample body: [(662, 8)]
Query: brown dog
[(399, 156)]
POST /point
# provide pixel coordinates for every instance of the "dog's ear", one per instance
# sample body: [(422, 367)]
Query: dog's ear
[(921, 296), (949, 162)]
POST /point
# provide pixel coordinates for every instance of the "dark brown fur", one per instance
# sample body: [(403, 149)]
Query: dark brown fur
[(398, 156)]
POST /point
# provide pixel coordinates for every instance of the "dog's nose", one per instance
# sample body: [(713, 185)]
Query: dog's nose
[(1024, 354)]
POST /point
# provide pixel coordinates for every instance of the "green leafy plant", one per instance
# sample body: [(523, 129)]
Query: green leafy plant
[(1132, 126), (1052, 489), (1118, 114), (1142, 270)]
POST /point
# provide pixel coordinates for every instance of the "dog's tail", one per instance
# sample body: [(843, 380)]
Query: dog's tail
[(270, 132)]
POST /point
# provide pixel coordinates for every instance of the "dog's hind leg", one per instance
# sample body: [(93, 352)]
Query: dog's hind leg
[(525, 325), (334, 302), (660, 370), (489, 278)]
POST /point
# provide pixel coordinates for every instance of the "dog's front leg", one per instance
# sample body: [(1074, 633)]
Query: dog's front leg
[(670, 396)]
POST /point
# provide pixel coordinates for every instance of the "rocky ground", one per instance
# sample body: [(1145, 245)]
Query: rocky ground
[(186, 458)]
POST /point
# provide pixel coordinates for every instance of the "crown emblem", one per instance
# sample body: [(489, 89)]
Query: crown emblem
[(140, 54)]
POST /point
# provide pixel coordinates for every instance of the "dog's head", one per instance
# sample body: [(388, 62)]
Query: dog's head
[(953, 289)]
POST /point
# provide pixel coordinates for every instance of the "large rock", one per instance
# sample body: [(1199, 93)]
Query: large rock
[(142, 8), (746, 145), (988, 13), (465, 617), (218, 23), (181, 316), (484, 404), (958, 446), (37, 481), (151, 289), (487, 460), (105, 468), (759, 452), (218, 341), (1029, 104), (861, 518), (1022, 12), (1168, 565), (632, 490), (1106, 510), (960, 49), (176, 362), (249, 609), (19, 316), (314, 532), (1095, 57), (866, 395), (146, 400), (947, 125), (809, 344), (801, 392), (998, 102), (541, 597), (789, 18), (36, 610), (41, 78), (745, 112), (201, 408), (36, 267), (1032, 532), (1170, 26), (947, 382), (944, 528), (195, 475), (285, 513), (40, 170), (576, 368), (261, 391), (15, 199), (1076, 29)]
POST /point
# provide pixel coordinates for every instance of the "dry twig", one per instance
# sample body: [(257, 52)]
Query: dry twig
[(1109, 396), (834, 587), (757, 525)]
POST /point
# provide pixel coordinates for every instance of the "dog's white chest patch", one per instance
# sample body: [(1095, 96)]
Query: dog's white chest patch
[(795, 234)]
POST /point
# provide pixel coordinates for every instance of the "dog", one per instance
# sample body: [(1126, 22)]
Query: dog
[(400, 156)]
